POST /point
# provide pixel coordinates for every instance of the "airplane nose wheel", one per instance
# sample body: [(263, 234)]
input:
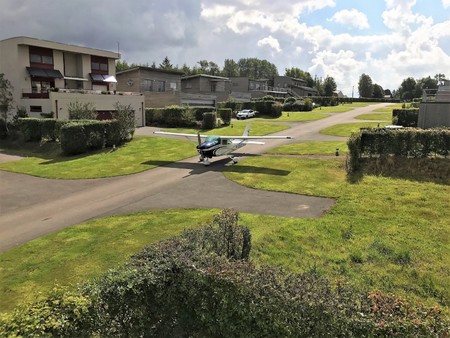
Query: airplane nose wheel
[(234, 159)]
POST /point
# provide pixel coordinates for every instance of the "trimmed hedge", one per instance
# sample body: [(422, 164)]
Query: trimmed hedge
[(405, 117), (172, 116), (73, 139), (225, 115), (201, 284), (407, 142), (199, 111), (298, 105), (31, 129), (209, 120), (112, 133)]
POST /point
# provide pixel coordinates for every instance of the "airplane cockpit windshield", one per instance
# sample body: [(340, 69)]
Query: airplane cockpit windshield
[(212, 139)]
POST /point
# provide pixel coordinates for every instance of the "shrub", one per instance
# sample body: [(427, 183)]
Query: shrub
[(225, 115), (209, 120), (277, 109), (112, 133), (405, 117), (82, 111), (201, 284), (94, 132), (73, 139), (3, 129), (31, 129), (175, 116), (125, 117), (199, 111), (48, 129)]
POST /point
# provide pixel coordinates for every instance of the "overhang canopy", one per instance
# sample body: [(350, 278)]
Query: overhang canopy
[(74, 78), (47, 73), (102, 78)]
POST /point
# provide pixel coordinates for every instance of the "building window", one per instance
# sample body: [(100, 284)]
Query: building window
[(213, 86), (148, 85), (99, 65), (188, 85), (41, 57), (160, 86), (36, 109)]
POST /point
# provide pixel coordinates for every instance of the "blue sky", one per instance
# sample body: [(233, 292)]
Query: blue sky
[(389, 40)]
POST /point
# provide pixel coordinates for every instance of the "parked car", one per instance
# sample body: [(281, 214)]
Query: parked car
[(245, 114)]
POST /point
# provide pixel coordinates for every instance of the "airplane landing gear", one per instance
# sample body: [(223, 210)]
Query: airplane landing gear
[(234, 159), (206, 161)]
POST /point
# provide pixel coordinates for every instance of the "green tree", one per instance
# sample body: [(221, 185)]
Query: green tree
[(299, 74), (125, 115), (329, 86), (82, 111), (121, 65), (407, 89), (208, 67), (257, 69), (230, 68), (166, 65), (365, 86), (378, 91), (6, 98)]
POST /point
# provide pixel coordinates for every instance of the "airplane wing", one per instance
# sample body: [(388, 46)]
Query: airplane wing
[(229, 137), (178, 134)]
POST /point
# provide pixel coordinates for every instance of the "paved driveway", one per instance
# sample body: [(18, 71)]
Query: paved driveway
[(31, 207)]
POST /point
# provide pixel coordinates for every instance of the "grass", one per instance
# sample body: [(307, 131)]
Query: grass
[(345, 130), (130, 158), (311, 148), (85, 251), (236, 128), (342, 108), (376, 116), (383, 234), (296, 117), (389, 108)]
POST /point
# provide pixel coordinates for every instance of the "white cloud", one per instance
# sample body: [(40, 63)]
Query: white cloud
[(271, 42), (446, 3), (351, 17)]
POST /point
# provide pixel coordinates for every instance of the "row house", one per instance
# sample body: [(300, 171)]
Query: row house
[(47, 76), (244, 89), (160, 87), (295, 87)]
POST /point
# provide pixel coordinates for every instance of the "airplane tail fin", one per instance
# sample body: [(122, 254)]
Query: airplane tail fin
[(247, 130)]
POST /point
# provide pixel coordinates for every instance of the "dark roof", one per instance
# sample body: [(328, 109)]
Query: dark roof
[(213, 77), (47, 73), (158, 70)]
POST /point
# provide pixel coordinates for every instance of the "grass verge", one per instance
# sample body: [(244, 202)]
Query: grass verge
[(311, 148), (133, 157), (375, 116), (346, 129), (296, 117)]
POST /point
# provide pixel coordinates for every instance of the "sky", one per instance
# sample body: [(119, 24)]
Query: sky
[(389, 40)]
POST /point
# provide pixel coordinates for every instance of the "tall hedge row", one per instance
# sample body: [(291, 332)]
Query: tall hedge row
[(405, 117), (201, 284), (225, 115), (406, 142), (209, 120), (172, 116), (81, 136)]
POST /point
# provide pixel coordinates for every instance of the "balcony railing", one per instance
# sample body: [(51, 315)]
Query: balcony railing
[(46, 94)]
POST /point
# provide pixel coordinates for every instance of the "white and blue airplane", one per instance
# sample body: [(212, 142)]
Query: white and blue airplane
[(212, 146)]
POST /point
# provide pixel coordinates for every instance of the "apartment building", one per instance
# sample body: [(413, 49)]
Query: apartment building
[(295, 87), (160, 87), (47, 76)]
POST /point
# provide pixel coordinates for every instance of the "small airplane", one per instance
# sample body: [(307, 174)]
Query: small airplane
[(222, 145)]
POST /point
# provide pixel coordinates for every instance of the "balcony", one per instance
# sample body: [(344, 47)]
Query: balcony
[(45, 94)]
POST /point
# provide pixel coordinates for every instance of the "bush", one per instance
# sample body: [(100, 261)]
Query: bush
[(48, 129), (209, 120), (73, 139), (3, 129), (125, 116), (225, 115), (31, 129), (153, 116), (201, 284), (173, 116), (95, 134), (405, 117), (82, 111), (277, 109), (199, 111), (112, 133)]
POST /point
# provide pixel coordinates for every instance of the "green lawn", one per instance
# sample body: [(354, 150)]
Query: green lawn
[(389, 108), (311, 148), (236, 128), (296, 117), (342, 108), (376, 116), (345, 130), (133, 157)]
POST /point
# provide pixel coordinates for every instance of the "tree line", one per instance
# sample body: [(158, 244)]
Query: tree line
[(409, 89)]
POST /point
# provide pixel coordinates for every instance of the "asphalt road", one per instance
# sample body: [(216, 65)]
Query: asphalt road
[(31, 207)]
